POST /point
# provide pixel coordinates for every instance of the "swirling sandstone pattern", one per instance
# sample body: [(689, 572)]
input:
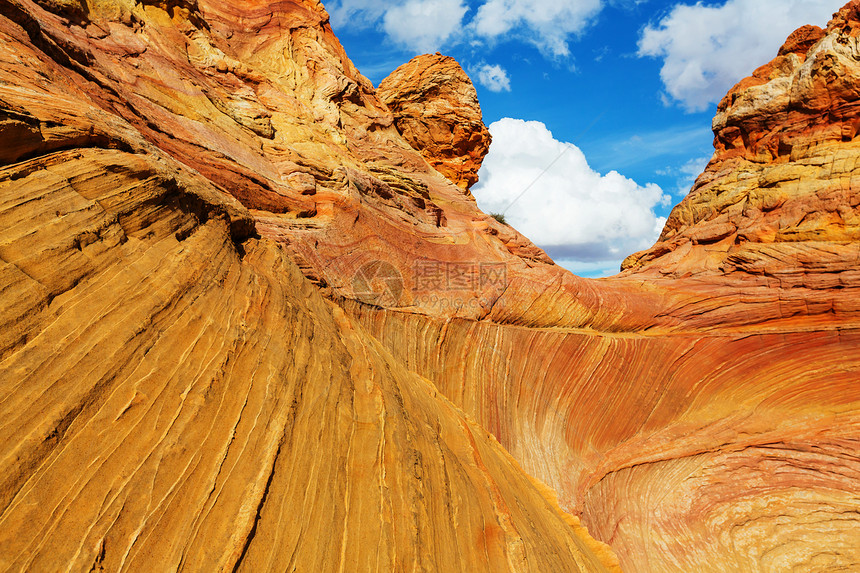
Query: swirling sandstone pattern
[(175, 394), (684, 452), (247, 325)]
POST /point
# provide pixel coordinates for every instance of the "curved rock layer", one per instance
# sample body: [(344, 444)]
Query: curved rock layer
[(183, 180), (685, 452), (177, 396)]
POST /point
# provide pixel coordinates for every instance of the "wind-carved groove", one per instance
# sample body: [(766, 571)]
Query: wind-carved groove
[(231, 353), (30, 142), (258, 514), (19, 476)]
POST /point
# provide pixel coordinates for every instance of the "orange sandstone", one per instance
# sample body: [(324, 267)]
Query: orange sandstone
[(436, 108), (249, 319)]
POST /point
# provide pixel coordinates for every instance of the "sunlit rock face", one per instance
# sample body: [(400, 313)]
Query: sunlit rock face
[(247, 325), (706, 416), (175, 393), (436, 108), (780, 197)]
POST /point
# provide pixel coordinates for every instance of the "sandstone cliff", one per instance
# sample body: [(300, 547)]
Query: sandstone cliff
[(246, 323), (780, 196)]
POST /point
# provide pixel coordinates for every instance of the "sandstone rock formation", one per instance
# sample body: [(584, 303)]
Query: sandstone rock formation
[(436, 108), (175, 394), (780, 196), (246, 325)]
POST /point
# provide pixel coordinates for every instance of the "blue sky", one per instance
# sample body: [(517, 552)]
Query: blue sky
[(616, 96)]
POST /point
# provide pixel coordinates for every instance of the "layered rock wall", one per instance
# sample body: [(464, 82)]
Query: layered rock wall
[(246, 323), (176, 395)]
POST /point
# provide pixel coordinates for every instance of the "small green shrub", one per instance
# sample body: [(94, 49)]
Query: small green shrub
[(499, 217)]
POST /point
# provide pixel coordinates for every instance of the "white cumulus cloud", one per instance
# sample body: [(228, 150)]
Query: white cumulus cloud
[(358, 13), (417, 25), (570, 210), (493, 77), (424, 25), (545, 23), (429, 25), (706, 49)]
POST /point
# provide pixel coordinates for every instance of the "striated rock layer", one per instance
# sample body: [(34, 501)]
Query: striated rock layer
[(252, 320), (780, 197), (684, 452), (176, 395), (180, 397)]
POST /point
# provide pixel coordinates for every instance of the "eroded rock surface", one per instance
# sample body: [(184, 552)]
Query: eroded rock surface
[(245, 324), (436, 108), (780, 197), (179, 396)]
